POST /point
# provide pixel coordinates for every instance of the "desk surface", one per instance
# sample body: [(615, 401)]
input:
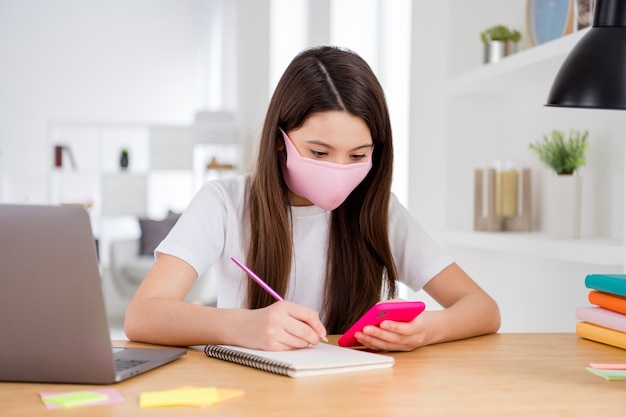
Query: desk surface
[(540, 374)]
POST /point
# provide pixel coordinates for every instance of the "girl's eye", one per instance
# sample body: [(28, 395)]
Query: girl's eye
[(318, 154), (358, 157)]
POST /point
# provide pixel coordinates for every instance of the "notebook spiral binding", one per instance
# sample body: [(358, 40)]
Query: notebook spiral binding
[(253, 361)]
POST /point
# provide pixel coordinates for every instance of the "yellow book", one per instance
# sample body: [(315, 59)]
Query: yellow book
[(601, 334)]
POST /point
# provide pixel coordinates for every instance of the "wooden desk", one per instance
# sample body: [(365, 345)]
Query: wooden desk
[(540, 374)]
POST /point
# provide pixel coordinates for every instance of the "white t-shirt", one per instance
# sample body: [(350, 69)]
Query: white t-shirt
[(209, 233)]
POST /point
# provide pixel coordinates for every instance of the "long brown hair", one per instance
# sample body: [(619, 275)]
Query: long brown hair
[(360, 269)]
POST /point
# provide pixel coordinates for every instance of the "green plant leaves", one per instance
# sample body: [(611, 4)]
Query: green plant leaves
[(563, 156), (500, 33)]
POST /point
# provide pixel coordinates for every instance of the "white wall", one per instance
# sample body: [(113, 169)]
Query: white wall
[(429, 69), (111, 60), (251, 50)]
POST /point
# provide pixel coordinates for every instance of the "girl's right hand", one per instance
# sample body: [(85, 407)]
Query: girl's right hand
[(283, 325)]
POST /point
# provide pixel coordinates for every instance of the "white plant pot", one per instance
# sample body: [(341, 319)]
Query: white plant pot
[(563, 198)]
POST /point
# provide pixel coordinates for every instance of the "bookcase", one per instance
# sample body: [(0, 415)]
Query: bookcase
[(167, 165)]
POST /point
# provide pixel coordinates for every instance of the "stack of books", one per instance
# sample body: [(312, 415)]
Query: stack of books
[(605, 321)]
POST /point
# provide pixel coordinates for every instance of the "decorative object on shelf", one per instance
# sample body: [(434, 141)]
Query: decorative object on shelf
[(592, 75), (499, 41), (84, 204), (218, 166), (59, 150), (507, 196), (507, 189), (563, 191), (547, 20), (124, 160), (584, 13), (563, 198), (58, 156)]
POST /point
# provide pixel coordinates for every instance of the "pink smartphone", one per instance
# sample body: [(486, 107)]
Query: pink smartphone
[(387, 310)]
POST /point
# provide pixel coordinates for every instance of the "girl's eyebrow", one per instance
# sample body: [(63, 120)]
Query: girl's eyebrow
[(326, 145)]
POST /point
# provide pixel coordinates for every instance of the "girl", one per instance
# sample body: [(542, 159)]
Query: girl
[(318, 222)]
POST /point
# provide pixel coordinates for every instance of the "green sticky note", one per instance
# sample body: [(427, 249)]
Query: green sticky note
[(73, 399), (609, 374)]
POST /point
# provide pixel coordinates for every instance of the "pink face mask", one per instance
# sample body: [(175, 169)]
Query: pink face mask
[(325, 184)]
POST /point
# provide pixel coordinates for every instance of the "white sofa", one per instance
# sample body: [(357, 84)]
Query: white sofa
[(128, 268)]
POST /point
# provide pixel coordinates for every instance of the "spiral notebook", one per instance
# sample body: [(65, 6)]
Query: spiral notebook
[(322, 359)]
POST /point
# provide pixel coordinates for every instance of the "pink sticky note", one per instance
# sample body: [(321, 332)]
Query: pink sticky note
[(608, 365)]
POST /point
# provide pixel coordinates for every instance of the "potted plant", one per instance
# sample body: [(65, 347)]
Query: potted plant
[(563, 157), (499, 41), (124, 159), (563, 191)]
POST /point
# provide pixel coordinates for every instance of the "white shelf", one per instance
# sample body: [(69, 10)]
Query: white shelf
[(513, 71), (520, 75), (588, 251)]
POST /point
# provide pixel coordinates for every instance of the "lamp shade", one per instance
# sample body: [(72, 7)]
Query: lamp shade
[(594, 73)]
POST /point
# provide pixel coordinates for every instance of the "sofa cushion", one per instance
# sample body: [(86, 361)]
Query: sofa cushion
[(153, 232)]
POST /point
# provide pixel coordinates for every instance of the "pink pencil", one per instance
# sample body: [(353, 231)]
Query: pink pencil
[(258, 280), (263, 285)]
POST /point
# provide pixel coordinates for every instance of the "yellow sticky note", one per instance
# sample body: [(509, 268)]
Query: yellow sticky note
[(74, 399), (222, 395), (228, 394), (196, 397)]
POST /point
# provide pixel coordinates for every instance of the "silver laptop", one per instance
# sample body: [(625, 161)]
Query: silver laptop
[(53, 324)]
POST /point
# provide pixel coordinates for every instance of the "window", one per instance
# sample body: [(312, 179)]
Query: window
[(379, 31)]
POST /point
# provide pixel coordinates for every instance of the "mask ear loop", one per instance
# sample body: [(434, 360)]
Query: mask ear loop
[(284, 136), (283, 154)]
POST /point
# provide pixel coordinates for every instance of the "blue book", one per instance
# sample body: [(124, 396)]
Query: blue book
[(609, 283)]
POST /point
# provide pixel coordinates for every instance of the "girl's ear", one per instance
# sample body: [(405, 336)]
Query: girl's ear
[(280, 142)]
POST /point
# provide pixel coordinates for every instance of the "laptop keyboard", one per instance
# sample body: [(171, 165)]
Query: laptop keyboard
[(123, 364)]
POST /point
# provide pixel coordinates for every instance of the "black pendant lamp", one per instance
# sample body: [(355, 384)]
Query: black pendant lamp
[(594, 73)]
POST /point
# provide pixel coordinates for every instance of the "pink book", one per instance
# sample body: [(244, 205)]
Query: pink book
[(602, 317)]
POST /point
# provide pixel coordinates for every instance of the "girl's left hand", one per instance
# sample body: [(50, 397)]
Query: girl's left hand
[(467, 312), (395, 335)]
